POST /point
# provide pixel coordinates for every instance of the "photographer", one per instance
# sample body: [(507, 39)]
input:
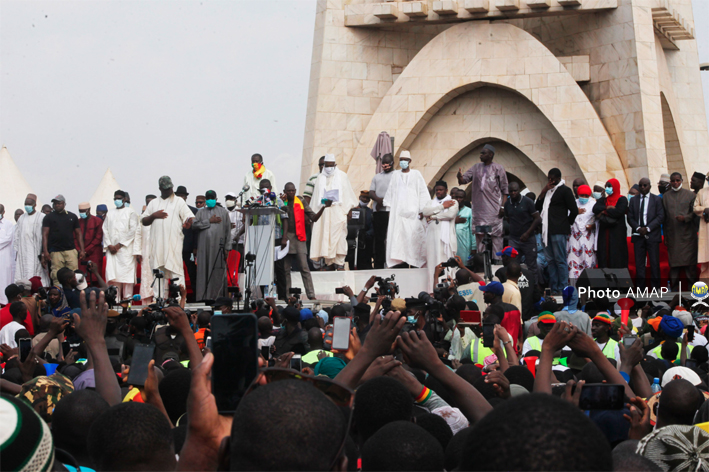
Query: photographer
[(69, 284)]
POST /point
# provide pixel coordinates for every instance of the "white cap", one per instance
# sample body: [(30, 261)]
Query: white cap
[(679, 372), (405, 155), (230, 194), (329, 158)]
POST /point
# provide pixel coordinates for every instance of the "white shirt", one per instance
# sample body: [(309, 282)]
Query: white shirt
[(7, 333)]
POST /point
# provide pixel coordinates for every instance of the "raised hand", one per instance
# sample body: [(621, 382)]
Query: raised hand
[(499, 383), (418, 350)]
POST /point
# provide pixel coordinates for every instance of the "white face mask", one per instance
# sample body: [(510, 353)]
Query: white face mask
[(230, 203), (676, 189), (597, 195), (328, 171), (362, 204)]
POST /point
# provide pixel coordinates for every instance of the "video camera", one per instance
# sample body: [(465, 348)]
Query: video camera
[(296, 292), (387, 286), (435, 309), (486, 231)]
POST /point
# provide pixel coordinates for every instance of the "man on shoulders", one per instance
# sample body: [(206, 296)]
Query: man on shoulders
[(645, 217)]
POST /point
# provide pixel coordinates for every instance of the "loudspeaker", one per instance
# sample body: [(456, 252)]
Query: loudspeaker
[(605, 278)]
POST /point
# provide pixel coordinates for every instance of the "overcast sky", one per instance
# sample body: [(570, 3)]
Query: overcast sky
[(189, 89)]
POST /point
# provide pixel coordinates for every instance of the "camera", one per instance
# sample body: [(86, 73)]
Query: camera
[(440, 292), (111, 293), (387, 286), (450, 263), (296, 292), (435, 310)]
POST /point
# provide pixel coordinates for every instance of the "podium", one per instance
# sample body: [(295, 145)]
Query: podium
[(259, 244)]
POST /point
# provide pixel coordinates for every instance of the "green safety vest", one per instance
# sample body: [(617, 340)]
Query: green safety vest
[(609, 349), (658, 349), (536, 345), (478, 352), (312, 356)]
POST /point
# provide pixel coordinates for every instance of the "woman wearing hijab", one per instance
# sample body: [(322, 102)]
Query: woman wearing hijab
[(581, 250), (56, 302), (609, 211)]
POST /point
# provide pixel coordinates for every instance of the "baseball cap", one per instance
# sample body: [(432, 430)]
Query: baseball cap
[(306, 314), (493, 287), (508, 251), (398, 304), (59, 198)]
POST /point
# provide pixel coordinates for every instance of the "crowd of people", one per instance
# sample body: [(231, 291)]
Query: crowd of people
[(423, 384)]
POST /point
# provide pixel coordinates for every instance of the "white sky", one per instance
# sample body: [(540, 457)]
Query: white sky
[(185, 88)]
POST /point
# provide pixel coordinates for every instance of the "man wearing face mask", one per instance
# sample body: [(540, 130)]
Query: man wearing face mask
[(91, 228), (406, 197), (645, 216), (27, 242), (366, 236), (330, 231), (377, 192), (663, 185), (167, 215), (680, 232), (214, 227), (7, 254), (118, 235), (101, 211)]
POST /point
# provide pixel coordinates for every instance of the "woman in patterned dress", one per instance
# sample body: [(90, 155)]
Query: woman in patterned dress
[(581, 250)]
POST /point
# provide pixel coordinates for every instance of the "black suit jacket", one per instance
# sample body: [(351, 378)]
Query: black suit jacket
[(655, 217)]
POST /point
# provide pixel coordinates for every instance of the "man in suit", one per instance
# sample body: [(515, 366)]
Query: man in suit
[(364, 237), (189, 245), (645, 216)]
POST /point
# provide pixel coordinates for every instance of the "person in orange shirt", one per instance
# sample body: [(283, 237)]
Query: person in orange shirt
[(203, 332)]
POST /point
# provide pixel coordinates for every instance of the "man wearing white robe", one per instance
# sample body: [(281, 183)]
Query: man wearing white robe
[(406, 196), (7, 254), (441, 239), (27, 243), (329, 238), (118, 234), (167, 215), (141, 251)]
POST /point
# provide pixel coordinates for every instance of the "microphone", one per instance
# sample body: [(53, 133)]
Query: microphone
[(134, 298), (245, 189)]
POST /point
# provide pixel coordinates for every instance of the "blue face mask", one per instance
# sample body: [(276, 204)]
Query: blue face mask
[(630, 195), (127, 204), (29, 209), (404, 165), (211, 203), (609, 190), (583, 200), (118, 203), (597, 195), (83, 215)]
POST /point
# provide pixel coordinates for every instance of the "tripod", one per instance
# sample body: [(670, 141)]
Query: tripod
[(249, 260), (220, 253), (157, 277)]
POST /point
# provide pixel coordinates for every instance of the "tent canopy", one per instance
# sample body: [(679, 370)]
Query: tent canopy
[(13, 186), (104, 192)]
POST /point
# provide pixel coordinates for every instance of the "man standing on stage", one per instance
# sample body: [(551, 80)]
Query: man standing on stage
[(91, 228), (258, 173), (294, 234), (141, 251), (406, 197), (167, 216), (27, 242), (118, 236), (213, 225), (330, 231), (488, 197), (377, 192), (441, 240)]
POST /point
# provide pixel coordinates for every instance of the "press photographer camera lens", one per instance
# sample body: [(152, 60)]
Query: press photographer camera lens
[(452, 262), (387, 286)]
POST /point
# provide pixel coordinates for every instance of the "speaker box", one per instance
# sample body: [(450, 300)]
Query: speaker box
[(605, 278)]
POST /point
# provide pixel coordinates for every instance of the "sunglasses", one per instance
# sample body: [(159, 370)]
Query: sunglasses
[(341, 396)]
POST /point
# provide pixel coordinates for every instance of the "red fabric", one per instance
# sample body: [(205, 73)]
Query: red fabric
[(512, 322), (92, 230), (299, 217), (611, 200), (232, 263), (6, 317), (664, 265), (199, 336), (584, 190)]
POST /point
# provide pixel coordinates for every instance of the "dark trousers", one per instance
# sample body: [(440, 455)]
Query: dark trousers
[(528, 251), (364, 254), (645, 249), (690, 274), (380, 221)]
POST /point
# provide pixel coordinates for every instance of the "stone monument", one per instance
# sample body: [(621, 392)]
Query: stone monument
[(597, 88)]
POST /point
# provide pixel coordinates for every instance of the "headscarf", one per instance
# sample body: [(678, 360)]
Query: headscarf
[(62, 307), (571, 299), (329, 366), (672, 326), (611, 200), (677, 448), (584, 190)]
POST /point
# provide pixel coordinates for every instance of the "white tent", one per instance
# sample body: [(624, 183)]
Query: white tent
[(13, 186), (104, 192)]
